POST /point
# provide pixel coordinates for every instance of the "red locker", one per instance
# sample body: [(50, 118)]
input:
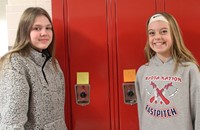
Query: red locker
[(104, 38), (88, 52), (188, 16), (131, 18)]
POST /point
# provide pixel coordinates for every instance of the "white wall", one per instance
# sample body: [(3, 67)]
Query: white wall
[(14, 10), (3, 28)]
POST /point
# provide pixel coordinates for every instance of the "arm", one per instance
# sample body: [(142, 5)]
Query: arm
[(14, 96), (138, 94), (194, 83)]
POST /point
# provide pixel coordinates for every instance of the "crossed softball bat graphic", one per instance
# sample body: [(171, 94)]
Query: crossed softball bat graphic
[(160, 92)]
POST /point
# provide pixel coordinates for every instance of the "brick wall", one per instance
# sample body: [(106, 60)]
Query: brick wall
[(3, 28), (14, 10)]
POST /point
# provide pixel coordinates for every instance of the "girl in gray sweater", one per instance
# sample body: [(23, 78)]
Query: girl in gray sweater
[(168, 85), (32, 89)]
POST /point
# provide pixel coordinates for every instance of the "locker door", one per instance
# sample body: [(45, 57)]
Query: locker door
[(131, 39), (88, 52), (61, 51), (86, 37), (81, 33), (188, 17)]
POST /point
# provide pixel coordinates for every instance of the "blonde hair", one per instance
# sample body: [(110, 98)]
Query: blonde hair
[(180, 53), (22, 41)]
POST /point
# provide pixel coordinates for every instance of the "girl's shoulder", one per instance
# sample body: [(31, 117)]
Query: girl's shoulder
[(15, 62), (189, 68), (190, 65), (142, 68)]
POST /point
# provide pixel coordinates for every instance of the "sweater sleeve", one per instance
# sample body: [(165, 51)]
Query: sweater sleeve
[(194, 82), (138, 93), (14, 96)]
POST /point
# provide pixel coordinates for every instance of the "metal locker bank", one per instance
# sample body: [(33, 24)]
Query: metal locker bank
[(100, 46)]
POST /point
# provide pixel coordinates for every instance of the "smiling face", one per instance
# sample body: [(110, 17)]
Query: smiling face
[(160, 39), (41, 33)]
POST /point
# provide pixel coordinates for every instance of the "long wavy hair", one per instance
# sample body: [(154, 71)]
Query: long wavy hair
[(23, 40), (180, 53)]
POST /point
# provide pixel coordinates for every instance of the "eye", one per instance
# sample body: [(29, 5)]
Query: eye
[(37, 28), (151, 33), (164, 31), (48, 28)]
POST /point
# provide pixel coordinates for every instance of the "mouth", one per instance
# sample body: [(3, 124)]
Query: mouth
[(44, 40), (159, 43)]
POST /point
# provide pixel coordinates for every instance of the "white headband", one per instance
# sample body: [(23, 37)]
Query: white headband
[(157, 17)]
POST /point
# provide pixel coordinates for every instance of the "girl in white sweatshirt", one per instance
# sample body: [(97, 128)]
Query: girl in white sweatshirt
[(168, 85)]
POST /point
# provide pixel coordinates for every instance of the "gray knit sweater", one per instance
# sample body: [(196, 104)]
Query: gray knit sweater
[(31, 94), (168, 101)]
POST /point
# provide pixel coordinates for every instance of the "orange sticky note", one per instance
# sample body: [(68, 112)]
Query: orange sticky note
[(129, 75), (82, 78)]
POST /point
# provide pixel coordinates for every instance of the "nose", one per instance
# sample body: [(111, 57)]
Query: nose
[(157, 36), (43, 32)]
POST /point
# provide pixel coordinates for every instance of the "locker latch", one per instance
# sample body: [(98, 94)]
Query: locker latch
[(129, 93), (82, 92)]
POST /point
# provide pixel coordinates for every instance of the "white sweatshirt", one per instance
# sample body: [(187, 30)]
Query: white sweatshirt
[(168, 101)]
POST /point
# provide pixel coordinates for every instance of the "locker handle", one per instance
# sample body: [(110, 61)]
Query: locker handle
[(129, 93), (83, 94)]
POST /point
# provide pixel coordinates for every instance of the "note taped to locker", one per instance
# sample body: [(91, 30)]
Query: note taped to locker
[(129, 75), (82, 77)]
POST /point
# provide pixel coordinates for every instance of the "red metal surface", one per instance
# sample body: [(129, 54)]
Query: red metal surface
[(88, 52), (159, 5), (131, 39), (104, 38), (188, 17), (112, 39), (61, 52)]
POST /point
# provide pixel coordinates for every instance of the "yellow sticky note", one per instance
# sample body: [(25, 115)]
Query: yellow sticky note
[(82, 77), (129, 75)]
